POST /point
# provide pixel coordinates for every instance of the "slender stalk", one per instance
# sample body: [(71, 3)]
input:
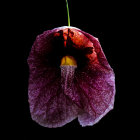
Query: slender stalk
[(68, 12)]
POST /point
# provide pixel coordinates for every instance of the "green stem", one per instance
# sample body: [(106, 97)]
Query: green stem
[(68, 13)]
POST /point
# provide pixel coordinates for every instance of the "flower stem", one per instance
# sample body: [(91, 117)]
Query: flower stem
[(68, 13)]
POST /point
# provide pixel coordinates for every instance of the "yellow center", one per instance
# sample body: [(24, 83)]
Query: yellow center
[(68, 60)]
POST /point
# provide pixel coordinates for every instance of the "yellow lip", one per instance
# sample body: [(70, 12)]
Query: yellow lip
[(68, 60)]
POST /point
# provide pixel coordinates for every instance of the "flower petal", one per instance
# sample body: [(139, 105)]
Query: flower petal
[(49, 106), (97, 83), (92, 87)]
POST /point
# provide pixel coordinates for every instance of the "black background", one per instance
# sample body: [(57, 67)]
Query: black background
[(104, 20)]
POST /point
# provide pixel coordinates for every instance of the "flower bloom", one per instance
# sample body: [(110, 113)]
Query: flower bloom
[(69, 78)]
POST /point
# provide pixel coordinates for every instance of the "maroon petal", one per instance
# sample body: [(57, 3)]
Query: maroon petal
[(49, 106), (97, 83), (56, 98)]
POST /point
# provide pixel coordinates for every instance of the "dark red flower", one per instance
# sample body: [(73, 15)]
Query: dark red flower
[(69, 78)]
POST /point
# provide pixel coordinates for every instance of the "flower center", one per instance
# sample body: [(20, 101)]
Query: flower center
[(68, 60)]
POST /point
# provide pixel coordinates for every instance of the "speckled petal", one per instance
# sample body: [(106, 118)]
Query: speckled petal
[(89, 94)]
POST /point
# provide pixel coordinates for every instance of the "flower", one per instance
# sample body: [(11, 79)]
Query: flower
[(70, 77)]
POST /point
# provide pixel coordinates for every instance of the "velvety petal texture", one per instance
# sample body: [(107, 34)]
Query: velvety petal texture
[(59, 94)]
